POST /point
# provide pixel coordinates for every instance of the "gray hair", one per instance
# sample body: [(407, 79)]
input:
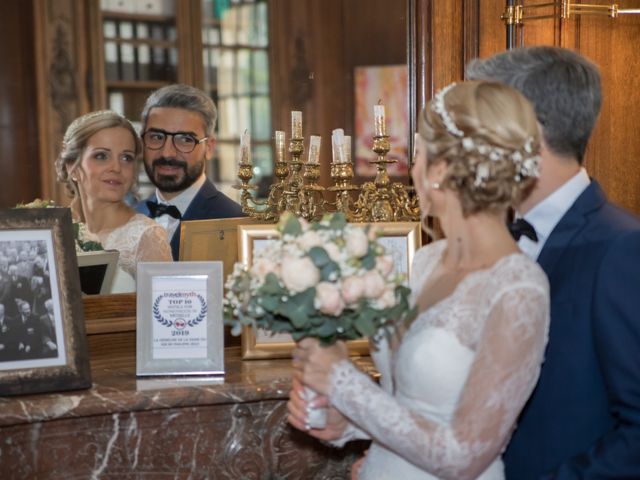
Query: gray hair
[(185, 97), (562, 85)]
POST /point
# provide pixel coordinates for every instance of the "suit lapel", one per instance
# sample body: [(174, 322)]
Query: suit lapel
[(197, 207), (570, 226)]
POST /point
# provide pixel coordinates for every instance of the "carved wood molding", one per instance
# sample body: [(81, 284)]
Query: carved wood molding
[(60, 73)]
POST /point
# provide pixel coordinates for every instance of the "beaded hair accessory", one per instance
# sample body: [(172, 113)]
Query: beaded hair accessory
[(526, 163)]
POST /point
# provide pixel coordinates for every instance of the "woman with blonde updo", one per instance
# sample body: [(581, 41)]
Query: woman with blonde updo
[(99, 163), (454, 382)]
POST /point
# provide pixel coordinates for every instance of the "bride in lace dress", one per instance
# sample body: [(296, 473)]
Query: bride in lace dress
[(99, 163), (453, 383)]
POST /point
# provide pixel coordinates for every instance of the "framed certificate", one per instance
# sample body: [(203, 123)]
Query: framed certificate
[(179, 319)]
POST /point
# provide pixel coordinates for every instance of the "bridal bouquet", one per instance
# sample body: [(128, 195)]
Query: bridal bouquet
[(327, 280)]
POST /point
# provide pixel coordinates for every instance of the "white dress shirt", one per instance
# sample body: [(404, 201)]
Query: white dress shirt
[(181, 202), (545, 215)]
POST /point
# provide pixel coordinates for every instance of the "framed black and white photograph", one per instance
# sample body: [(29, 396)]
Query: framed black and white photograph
[(42, 336), (179, 319)]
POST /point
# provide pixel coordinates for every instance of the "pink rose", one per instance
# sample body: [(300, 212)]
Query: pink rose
[(352, 289), (374, 233), (373, 284), (357, 242), (388, 298), (262, 267), (298, 274), (384, 264), (328, 299)]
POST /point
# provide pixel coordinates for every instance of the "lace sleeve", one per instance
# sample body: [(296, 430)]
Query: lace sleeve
[(154, 246), (501, 378)]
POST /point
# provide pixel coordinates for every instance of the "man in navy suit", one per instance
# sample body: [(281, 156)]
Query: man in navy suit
[(178, 124), (583, 419)]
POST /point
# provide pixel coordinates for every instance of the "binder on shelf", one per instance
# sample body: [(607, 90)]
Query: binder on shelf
[(149, 7), (123, 6), (158, 65), (110, 51), (116, 102), (127, 52), (143, 52)]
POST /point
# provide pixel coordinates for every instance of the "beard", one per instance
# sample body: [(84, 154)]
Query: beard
[(176, 182)]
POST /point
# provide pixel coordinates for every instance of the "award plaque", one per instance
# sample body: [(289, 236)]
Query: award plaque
[(179, 319)]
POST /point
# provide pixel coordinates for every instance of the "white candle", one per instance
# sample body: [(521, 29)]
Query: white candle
[(245, 147), (346, 146), (416, 139), (296, 124), (314, 149), (379, 120), (337, 140), (280, 146)]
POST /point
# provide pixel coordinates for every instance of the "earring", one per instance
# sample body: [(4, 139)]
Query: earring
[(74, 179)]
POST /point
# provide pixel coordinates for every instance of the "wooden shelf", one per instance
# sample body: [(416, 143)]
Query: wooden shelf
[(136, 84), (139, 17)]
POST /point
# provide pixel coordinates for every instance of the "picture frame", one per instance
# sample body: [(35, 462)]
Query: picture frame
[(212, 240), (179, 326), (401, 239), (42, 326), (97, 271)]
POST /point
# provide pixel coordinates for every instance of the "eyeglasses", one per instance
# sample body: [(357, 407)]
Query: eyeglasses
[(183, 142)]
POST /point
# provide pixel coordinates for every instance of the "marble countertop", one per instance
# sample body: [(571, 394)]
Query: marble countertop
[(117, 389)]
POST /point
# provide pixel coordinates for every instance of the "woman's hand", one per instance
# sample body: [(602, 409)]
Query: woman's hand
[(313, 363), (297, 406)]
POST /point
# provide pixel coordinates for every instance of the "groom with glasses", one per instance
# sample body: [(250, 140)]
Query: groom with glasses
[(178, 123)]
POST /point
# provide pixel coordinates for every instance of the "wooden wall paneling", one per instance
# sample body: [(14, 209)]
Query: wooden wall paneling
[(61, 75), (447, 32), (307, 68), (491, 29), (614, 149), (19, 141), (420, 57)]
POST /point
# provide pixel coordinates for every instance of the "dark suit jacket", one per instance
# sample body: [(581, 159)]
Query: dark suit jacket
[(583, 419), (209, 202)]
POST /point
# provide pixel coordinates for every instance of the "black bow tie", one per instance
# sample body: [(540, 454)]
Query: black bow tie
[(522, 227), (157, 209)]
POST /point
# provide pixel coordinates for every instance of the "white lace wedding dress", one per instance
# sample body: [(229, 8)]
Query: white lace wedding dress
[(141, 239), (451, 393)]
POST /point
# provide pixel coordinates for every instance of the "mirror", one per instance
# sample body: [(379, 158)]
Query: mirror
[(332, 60)]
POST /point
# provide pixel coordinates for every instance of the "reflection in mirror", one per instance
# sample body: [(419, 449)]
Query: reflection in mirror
[(331, 59)]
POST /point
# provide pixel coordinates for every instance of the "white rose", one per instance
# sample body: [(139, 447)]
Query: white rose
[(262, 267), (357, 242), (384, 264), (298, 274), (309, 239), (373, 284), (333, 251), (328, 299), (352, 289)]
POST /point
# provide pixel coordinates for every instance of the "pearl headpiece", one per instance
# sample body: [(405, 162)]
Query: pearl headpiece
[(526, 163)]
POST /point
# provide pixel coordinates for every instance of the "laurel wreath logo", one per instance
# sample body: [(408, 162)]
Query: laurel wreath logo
[(169, 323)]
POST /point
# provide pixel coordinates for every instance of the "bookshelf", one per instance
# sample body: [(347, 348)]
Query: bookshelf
[(220, 46)]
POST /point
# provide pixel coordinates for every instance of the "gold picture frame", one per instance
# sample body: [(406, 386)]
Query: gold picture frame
[(401, 239)]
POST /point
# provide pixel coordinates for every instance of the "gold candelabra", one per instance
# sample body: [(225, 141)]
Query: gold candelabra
[(296, 188)]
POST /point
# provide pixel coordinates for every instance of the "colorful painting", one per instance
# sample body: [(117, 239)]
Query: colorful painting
[(387, 84)]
